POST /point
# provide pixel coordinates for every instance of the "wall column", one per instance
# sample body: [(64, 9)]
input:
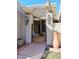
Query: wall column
[(49, 30), (40, 26), (29, 28)]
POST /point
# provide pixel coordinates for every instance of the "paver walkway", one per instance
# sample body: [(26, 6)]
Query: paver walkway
[(35, 51)]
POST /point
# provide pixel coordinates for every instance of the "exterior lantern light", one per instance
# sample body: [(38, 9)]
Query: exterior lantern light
[(26, 20)]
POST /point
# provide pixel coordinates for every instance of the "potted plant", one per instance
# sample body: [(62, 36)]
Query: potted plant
[(56, 39)]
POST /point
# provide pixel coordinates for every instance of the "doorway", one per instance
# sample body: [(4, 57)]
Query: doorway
[(39, 31)]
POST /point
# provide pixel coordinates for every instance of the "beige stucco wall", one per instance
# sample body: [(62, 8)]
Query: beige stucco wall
[(20, 25), (23, 31)]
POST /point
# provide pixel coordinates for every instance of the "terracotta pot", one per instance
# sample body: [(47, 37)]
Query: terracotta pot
[(56, 40)]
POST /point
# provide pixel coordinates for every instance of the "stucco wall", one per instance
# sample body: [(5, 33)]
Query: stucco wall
[(20, 22), (49, 36), (20, 25), (58, 27), (24, 31)]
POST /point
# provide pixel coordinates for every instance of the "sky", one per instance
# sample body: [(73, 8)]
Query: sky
[(37, 2)]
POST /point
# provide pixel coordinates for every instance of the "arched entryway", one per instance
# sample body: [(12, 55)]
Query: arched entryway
[(39, 31)]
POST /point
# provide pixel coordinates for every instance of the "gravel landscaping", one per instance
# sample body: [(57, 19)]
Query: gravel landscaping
[(51, 55)]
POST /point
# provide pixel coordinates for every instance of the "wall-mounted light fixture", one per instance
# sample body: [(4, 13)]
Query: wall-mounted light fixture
[(26, 20)]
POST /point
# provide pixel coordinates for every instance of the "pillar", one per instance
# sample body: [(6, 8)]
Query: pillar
[(49, 29), (29, 28)]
